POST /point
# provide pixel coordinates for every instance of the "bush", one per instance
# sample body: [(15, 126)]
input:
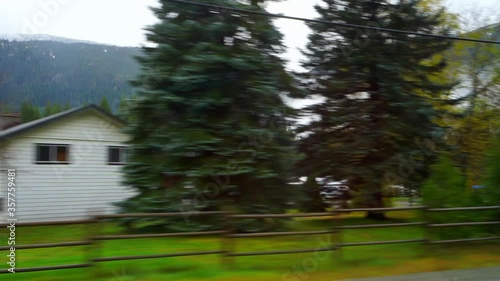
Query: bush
[(491, 191), (493, 175), (446, 188)]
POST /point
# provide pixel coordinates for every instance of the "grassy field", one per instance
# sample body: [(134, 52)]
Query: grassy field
[(350, 262)]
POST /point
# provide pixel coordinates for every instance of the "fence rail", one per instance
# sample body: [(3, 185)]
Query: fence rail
[(123, 258), (281, 252), (464, 209), (51, 223), (288, 233), (381, 225), (464, 240), (382, 242), (228, 237), (158, 235)]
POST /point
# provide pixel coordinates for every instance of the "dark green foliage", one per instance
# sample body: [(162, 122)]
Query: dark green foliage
[(51, 109), (124, 108), (311, 200), (209, 113), (446, 188), (29, 112), (492, 185), (493, 174), (378, 98), (40, 72), (6, 108), (162, 201), (104, 104)]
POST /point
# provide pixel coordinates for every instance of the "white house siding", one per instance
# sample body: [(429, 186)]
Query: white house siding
[(73, 191)]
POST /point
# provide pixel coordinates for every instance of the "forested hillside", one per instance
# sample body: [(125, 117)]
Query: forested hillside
[(41, 72)]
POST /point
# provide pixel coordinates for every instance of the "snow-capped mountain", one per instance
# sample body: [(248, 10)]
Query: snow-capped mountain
[(41, 37), (46, 69)]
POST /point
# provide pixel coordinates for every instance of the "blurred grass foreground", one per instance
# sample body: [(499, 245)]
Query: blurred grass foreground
[(349, 262)]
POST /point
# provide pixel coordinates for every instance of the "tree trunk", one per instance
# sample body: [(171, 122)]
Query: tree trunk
[(376, 202), (376, 216)]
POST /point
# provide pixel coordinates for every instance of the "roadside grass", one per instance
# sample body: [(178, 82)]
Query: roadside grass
[(405, 201), (349, 262)]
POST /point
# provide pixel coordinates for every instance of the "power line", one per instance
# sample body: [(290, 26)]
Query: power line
[(348, 25)]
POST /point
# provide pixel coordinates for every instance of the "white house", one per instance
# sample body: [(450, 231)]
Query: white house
[(67, 165)]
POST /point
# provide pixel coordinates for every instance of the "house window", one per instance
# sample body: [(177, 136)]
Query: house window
[(117, 155), (52, 154)]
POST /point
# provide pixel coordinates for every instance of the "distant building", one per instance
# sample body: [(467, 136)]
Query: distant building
[(8, 120), (67, 165)]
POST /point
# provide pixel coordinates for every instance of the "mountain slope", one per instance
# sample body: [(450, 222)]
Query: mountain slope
[(41, 37), (64, 71)]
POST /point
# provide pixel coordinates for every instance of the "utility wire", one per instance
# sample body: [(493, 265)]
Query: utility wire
[(348, 25)]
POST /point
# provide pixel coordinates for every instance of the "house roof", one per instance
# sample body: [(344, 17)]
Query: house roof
[(9, 125), (10, 114), (50, 119)]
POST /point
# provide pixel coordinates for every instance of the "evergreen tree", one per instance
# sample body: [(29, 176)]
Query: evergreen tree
[(311, 199), (67, 106), (124, 107), (29, 112), (51, 109), (209, 113), (377, 93), (56, 108), (104, 104), (6, 108), (48, 110)]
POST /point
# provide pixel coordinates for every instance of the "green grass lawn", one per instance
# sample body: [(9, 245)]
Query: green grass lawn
[(350, 262)]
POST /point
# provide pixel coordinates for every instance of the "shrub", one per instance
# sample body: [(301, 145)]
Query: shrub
[(446, 188), (491, 191)]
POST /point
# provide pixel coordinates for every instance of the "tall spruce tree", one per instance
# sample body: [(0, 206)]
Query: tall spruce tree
[(104, 104), (209, 113), (29, 112), (377, 92), (51, 109)]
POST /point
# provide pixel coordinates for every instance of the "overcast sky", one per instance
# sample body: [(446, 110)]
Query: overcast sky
[(121, 22)]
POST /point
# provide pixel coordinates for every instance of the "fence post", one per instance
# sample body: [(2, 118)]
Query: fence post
[(427, 229), (337, 234), (227, 243), (93, 249)]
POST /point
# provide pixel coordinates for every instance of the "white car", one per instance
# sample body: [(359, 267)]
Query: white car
[(330, 193)]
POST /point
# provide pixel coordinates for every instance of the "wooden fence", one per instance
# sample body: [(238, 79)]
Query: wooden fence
[(229, 237)]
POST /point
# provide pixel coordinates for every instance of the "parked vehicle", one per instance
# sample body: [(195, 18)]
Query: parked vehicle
[(336, 196), (334, 192)]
